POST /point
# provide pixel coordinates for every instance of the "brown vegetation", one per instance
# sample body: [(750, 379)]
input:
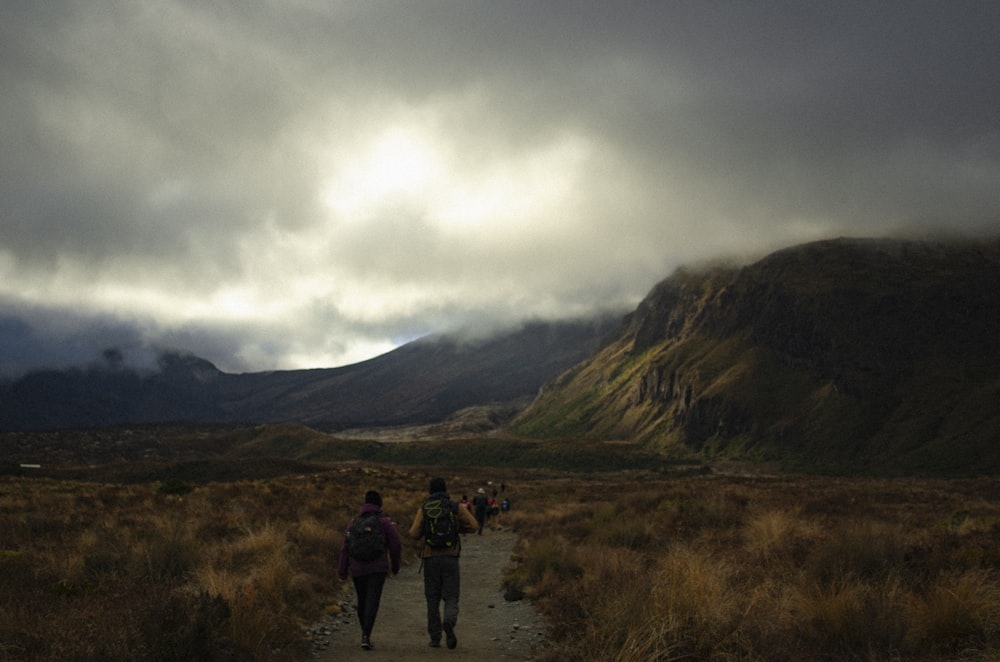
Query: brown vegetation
[(780, 569), (171, 571), (623, 567)]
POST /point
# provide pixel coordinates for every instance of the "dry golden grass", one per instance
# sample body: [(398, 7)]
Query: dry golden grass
[(956, 607), (778, 535), (624, 568), (780, 569), (218, 571)]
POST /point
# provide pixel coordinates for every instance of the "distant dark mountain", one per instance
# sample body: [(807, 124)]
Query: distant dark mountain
[(422, 382), (842, 355)]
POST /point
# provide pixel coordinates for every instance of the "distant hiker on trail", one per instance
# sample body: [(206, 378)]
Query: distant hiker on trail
[(438, 523), (481, 505), (465, 503), (370, 536)]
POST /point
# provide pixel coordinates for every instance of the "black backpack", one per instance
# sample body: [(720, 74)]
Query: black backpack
[(440, 523), (366, 539)]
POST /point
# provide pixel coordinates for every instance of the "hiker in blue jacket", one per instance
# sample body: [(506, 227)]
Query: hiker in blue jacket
[(371, 550)]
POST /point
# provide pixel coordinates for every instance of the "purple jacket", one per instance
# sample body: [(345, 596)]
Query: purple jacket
[(381, 564)]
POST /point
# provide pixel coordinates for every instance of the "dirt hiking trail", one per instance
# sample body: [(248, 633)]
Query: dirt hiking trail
[(489, 627)]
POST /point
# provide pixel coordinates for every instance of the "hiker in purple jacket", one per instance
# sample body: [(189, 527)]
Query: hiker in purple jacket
[(369, 538)]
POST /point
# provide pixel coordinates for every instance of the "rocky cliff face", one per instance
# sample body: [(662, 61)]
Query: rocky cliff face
[(841, 354)]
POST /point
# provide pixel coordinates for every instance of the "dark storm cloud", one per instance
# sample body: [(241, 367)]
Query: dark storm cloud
[(38, 338), (215, 173)]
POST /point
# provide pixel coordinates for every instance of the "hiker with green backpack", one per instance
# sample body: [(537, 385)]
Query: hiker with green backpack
[(370, 552), (438, 525)]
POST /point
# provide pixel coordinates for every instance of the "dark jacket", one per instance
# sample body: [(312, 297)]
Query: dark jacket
[(466, 524), (381, 564)]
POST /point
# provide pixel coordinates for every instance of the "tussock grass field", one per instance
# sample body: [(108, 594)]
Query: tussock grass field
[(791, 568), (626, 565), (177, 571)]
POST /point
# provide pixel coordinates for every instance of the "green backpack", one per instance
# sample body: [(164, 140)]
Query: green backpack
[(440, 523)]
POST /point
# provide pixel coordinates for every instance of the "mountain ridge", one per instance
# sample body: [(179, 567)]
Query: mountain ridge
[(843, 356), (421, 382), (840, 355)]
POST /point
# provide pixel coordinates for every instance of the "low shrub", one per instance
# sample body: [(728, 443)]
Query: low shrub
[(618, 527), (769, 570), (226, 571), (957, 612), (866, 549)]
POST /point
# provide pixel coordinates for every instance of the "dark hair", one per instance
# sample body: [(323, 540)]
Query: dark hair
[(437, 485), (374, 498)]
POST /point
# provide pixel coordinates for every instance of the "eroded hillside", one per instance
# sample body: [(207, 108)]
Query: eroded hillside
[(838, 355)]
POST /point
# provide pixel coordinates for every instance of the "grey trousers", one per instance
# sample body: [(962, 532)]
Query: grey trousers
[(441, 582)]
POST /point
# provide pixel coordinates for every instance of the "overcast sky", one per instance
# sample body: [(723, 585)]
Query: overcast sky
[(276, 184)]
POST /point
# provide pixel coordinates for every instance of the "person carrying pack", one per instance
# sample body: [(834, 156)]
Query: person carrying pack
[(371, 551), (438, 524), (479, 502)]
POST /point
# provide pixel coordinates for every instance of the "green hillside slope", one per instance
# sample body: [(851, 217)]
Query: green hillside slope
[(843, 355)]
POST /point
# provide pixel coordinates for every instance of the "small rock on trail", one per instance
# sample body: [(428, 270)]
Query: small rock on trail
[(489, 627)]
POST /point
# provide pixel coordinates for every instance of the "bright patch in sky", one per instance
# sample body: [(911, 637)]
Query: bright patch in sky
[(396, 164), (455, 186), (516, 192), (354, 353)]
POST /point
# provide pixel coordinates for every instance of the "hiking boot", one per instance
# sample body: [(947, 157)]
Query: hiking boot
[(449, 631), (366, 642), (435, 644)]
